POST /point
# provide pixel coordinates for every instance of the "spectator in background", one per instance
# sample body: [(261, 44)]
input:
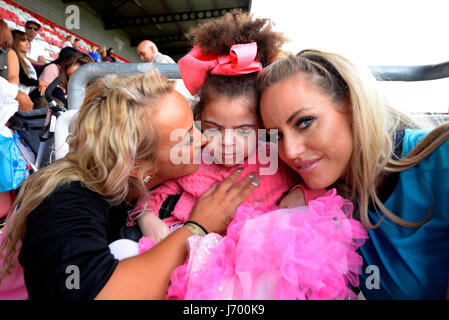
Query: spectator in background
[(71, 64), (148, 52), (102, 52), (109, 53), (27, 74), (9, 65), (77, 43), (51, 72), (36, 53), (68, 42), (94, 54)]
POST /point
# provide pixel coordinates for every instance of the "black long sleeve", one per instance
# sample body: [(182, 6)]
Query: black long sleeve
[(27, 81)]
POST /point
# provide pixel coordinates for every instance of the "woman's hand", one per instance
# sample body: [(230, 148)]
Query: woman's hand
[(214, 210), (43, 86), (294, 198)]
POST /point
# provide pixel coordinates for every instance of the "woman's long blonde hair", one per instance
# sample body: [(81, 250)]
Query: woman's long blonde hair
[(373, 123), (113, 130)]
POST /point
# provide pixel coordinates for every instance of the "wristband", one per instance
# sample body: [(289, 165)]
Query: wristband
[(195, 228)]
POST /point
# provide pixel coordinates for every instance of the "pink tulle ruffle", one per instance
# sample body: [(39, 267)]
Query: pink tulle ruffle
[(300, 253)]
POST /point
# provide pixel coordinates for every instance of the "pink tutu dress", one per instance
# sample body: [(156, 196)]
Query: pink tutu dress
[(306, 252)]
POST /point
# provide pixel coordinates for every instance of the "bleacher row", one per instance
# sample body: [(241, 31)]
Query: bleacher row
[(51, 35)]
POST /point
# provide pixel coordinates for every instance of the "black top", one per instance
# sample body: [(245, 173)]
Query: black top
[(69, 232), (4, 62), (26, 80)]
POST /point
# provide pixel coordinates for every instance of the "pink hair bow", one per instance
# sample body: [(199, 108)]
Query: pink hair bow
[(195, 65)]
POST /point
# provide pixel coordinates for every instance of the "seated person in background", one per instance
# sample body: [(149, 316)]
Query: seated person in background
[(9, 64), (70, 64), (66, 67), (148, 52), (7, 56), (102, 52), (51, 71), (36, 53), (77, 43), (68, 42), (94, 54), (27, 73), (109, 54)]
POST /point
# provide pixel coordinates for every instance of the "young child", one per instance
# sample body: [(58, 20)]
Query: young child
[(307, 252), (228, 113)]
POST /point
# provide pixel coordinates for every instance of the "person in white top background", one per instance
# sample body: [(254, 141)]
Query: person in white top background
[(68, 42), (148, 52), (36, 54)]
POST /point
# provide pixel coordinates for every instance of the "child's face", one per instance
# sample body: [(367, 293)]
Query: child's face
[(231, 129)]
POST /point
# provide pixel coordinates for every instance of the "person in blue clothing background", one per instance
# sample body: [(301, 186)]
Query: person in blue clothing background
[(336, 130), (94, 54)]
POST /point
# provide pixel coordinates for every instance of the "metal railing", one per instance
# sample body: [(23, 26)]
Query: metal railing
[(411, 73), (80, 78)]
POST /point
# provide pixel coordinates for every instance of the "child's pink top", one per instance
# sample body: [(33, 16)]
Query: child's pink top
[(270, 190)]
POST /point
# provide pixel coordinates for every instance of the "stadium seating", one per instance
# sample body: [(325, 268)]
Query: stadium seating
[(51, 35)]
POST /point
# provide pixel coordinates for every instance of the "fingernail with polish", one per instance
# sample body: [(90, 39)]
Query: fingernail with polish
[(255, 181)]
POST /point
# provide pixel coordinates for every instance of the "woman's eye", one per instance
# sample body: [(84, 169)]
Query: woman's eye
[(244, 131), (305, 122), (274, 135), (212, 130)]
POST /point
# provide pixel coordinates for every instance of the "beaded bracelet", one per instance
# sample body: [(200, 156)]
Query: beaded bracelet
[(195, 228)]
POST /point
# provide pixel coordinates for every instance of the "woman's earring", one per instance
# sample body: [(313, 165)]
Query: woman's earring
[(146, 179)]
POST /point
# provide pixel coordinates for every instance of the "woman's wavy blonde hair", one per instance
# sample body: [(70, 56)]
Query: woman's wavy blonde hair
[(112, 132), (373, 124)]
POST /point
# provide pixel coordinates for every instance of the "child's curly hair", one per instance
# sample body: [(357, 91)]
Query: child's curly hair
[(217, 36)]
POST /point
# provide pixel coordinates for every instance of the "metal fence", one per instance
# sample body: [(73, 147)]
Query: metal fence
[(80, 78)]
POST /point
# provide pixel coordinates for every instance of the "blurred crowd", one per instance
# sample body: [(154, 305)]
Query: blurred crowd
[(22, 62)]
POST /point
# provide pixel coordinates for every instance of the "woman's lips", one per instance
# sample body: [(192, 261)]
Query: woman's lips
[(307, 166)]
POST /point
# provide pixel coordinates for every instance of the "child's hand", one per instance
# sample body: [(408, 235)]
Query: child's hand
[(293, 199), (152, 227)]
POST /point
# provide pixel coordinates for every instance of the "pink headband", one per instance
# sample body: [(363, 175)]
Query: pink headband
[(195, 65)]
